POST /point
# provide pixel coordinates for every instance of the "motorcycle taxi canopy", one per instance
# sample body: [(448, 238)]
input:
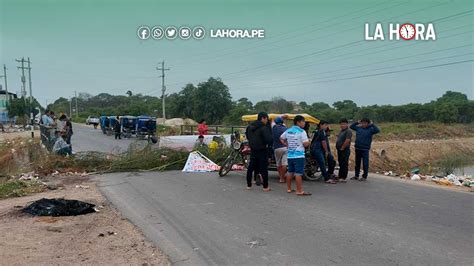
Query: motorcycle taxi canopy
[(308, 118)]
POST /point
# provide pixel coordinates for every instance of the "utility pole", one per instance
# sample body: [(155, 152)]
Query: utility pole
[(75, 96), (70, 107), (23, 80), (163, 88), (29, 83), (5, 78)]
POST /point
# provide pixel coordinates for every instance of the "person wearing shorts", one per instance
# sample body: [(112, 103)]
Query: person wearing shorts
[(280, 151), (296, 139)]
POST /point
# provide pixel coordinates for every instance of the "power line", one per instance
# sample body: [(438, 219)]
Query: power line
[(378, 62), (272, 65), (373, 75), (372, 5), (266, 48), (373, 51)]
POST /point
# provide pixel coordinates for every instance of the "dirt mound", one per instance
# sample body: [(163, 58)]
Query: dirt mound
[(401, 156)]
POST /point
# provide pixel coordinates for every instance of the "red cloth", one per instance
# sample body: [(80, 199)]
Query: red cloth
[(203, 129)]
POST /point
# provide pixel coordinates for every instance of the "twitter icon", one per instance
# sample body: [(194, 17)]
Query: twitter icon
[(171, 32)]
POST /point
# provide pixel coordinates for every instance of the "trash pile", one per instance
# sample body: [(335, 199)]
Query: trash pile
[(449, 180), (59, 207)]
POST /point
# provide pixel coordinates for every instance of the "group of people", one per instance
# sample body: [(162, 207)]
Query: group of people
[(62, 131), (289, 147)]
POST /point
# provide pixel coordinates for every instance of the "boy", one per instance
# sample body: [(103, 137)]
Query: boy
[(364, 129), (296, 139)]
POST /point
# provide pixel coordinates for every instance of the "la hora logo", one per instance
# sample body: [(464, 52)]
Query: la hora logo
[(406, 31)]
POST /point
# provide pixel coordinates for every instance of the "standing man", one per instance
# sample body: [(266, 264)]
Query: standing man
[(69, 130), (364, 129), (343, 147), (296, 139), (320, 151), (259, 137), (117, 128), (280, 150)]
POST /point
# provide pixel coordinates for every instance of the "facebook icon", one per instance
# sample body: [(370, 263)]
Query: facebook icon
[(143, 32)]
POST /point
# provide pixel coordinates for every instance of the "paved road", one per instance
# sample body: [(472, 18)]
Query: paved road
[(86, 138), (201, 219)]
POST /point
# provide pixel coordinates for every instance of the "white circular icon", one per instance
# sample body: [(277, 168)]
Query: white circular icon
[(184, 33), (199, 33), (171, 33), (143, 32), (157, 33)]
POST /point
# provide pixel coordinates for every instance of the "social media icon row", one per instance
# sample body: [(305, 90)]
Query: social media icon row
[(170, 32)]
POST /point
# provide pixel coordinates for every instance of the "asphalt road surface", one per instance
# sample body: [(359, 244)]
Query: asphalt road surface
[(201, 219), (86, 138)]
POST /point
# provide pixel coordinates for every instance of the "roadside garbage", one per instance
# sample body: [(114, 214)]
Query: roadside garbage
[(58, 207), (415, 170), (415, 177)]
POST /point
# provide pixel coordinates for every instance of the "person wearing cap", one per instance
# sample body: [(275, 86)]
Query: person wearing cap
[(320, 150), (279, 149), (259, 136), (364, 129)]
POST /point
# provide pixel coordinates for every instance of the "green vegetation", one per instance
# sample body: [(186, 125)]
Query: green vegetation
[(425, 130), (454, 162), (212, 101), (20, 188), (20, 108)]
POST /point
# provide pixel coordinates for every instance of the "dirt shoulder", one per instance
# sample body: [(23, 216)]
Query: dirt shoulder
[(98, 238)]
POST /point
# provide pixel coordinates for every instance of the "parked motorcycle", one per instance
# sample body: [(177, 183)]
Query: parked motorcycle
[(240, 154)]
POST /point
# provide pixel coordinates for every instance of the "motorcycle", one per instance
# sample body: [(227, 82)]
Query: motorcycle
[(240, 154)]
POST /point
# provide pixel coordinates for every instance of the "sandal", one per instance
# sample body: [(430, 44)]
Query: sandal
[(342, 181), (290, 191), (282, 181), (330, 181), (267, 189), (303, 194)]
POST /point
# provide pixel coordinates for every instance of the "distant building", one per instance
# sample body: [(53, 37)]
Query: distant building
[(3, 105)]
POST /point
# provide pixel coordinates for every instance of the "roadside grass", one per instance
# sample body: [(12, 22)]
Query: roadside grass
[(411, 131), (449, 164), (20, 188)]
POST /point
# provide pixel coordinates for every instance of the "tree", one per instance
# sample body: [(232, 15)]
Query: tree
[(129, 93), (212, 101), (453, 97), (446, 112), (245, 103), (347, 108), (17, 107)]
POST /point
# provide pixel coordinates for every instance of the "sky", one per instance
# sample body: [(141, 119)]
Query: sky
[(312, 51)]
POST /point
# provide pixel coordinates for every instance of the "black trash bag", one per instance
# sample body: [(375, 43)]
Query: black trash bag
[(154, 139), (59, 207)]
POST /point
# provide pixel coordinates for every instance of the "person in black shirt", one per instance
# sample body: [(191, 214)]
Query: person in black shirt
[(117, 128), (343, 147), (259, 136)]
